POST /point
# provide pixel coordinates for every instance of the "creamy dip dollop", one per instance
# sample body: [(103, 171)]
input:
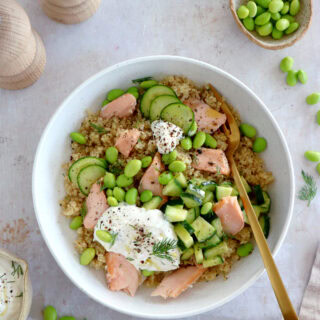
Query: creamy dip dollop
[(167, 135), (136, 232)]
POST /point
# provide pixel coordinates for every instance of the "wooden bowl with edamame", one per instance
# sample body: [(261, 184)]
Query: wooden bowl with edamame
[(265, 33)]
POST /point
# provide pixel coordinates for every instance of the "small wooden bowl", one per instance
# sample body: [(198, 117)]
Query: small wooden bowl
[(303, 17)]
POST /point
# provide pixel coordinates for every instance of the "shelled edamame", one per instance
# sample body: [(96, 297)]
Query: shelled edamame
[(260, 143), (293, 76)]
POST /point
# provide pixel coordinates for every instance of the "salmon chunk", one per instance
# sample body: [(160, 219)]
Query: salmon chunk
[(121, 107), (211, 160), (121, 274), (178, 281), (230, 214), (126, 141), (96, 203), (208, 119), (149, 180)]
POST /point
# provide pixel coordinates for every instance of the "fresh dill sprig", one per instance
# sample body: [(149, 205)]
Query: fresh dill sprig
[(20, 295), (114, 236), (16, 269), (309, 190), (98, 128), (161, 248)]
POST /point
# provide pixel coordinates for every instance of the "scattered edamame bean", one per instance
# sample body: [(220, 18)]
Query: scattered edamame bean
[(292, 27), (313, 156), (134, 91), (282, 24), (318, 168), (260, 10), (199, 140), (210, 141), (76, 223), (313, 98), (247, 130), (302, 76), (169, 157), (109, 192), (286, 7), (276, 16), (147, 273), (291, 78), (206, 208), (294, 7), (276, 34), (177, 166), (243, 12), (109, 180), (146, 161), (112, 154), (78, 137), (132, 168), (148, 84), (146, 196), (259, 145), (114, 94), (245, 249), (119, 194), (123, 181), (87, 256), (252, 7), (289, 18), (262, 19), (276, 6), (104, 235), (263, 3), (265, 30), (186, 143), (112, 201), (165, 177), (131, 196), (286, 64), (248, 22), (67, 318), (50, 313), (318, 117)]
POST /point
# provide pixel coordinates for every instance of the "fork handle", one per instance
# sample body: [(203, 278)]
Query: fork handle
[(279, 289)]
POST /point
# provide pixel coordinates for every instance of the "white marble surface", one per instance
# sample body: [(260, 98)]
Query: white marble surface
[(125, 29)]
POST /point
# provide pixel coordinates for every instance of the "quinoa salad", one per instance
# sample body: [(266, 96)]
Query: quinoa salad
[(149, 190)]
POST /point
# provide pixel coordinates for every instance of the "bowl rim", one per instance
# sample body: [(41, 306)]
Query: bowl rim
[(228, 76)]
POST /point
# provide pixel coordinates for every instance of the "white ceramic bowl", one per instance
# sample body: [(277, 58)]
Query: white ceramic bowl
[(54, 149)]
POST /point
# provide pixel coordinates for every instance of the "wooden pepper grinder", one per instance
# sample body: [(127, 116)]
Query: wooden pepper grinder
[(70, 11), (22, 53)]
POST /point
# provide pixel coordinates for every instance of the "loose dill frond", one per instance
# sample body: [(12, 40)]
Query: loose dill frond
[(309, 190), (161, 248), (16, 269)]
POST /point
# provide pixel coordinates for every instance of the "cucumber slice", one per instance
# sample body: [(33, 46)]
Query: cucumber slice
[(208, 197), (187, 254), (222, 192), (264, 222), (178, 114), (198, 254), (172, 189), (207, 263), (257, 211), (187, 226), (193, 129), (240, 203), (154, 203), (181, 179), (152, 93), (82, 163), (202, 229), (181, 245), (220, 249), (195, 190), (245, 184), (212, 242), (190, 200), (89, 175), (159, 103), (191, 215), (172, 202), (234, 192), (183, 235), (208, 185), (265, 207), (218, 226), (174, 214), (258, 194)]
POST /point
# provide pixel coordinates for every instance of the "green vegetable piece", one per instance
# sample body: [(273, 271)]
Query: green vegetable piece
[(67, 318), (170, 157), (147, 273), (109, 180), (109, 193), (286, 64), (282, 24), (248, 22), (252, 7), (313, 156), (288, 17), (105, 102), (265, 30), (186, 143), (146, 161), (50, 313), (199, 140), (177, 166), (294, 7), (146, 196), (276, 34), (76, 223), (114, 94), (260, 10), (318, 168), (206, 208), (123, 181), (309, 190), (112, 154), (134, 91), (87, 256), (148, 84), (119, 194), (245, 249), (302, 76), (262, 19), (78, 137), (292, 27), (318, 117), (286, 7), (210, 141), (131, 196), (165, 177), (243, 12), (292, 78), (313, 98), (259, 145), (193, 129), (247, 130), (275, 16), (112, 201), (132, 168), (104, 235), (276, 6), (263, 3)]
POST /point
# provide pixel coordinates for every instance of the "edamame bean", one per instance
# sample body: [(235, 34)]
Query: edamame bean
[(50, 313), (302, 76), (186, 143), (112, 154), (292, 27), (146, 196), (78, 137), (318, 168), (193, 129), (265, 30), (313, 98), (318, 117), (294, 7), (132, 168), (276, 34), (206, 208), (146, 161), (134, 91), (289, 18), (282, 24), (148, 84), (131, 196), (177, 166), (67, 318), (170, 157), (87, 256), (260, 10), (119, 194), (252, 7), (275, 6), (147, 273), (262, 19), (76, 223), (286, 7), (259, 145), (112, 201), (165, 177), (109, 193), (199, 140), (210, 141), (263, 3), (286, 64), (275, 16), (291, 78), (104, 235), (313, 156), (114, 94), (109, 180), (247, 130), (243, 12), (245, 249), (248, 23), (123, 181)]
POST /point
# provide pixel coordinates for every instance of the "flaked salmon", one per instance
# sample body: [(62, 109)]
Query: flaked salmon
[(126, 141)]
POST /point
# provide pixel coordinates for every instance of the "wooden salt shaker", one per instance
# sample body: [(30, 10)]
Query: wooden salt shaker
[(71, 11), (22, 53)]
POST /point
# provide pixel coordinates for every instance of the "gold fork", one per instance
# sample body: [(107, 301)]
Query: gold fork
[(233, 134)]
